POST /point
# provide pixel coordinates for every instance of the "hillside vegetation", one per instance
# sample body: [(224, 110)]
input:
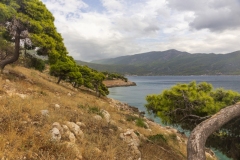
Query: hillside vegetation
[(30, 23), (33, 107), (172, 62)]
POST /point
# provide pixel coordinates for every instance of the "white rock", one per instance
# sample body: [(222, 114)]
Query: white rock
[(75, 129), (45, 112), (7, 80), (81, 124), (149, 130), (133, 141), (130, 137), (57, 106), (146, 124), (65, 128), (97, 117), (71, 137), (56, 136), (23, 96), (58, 126), (106, 115), (69, 94)]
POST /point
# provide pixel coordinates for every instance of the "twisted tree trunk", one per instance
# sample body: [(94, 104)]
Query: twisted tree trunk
[(15, 56), (18, 30), (198, 137)]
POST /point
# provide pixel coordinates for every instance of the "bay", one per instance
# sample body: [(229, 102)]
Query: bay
[(135, 95)]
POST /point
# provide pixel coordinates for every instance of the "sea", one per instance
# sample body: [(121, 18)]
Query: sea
[(147, 85)]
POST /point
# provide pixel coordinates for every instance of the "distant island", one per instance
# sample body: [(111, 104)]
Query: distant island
[(170, 62)]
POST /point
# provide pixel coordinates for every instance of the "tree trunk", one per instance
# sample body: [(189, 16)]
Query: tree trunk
[(59, 79), (198, 137), (15, 56)]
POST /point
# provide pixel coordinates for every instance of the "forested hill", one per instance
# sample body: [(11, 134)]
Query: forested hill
[(143, 58), (172, 62)]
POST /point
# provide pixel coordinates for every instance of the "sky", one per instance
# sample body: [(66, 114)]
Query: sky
[(98, 29)]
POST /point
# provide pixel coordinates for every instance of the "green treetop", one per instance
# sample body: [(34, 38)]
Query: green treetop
[(187, 105)]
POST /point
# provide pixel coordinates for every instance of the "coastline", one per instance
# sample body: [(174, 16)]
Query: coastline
[(118, 83)]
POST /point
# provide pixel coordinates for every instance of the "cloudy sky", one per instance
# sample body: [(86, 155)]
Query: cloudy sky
[(96, 29)]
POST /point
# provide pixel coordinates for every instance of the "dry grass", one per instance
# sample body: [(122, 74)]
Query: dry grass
[(24, 132)]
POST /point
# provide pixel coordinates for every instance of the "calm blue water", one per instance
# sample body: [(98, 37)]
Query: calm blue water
[(135, 95)]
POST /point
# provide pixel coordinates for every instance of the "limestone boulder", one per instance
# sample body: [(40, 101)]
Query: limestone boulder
[(106, 115), (74, 128), (58, 126), (81, 124), (56, 135), (97, 117), (130, 137), (133, 141), (45, 113)]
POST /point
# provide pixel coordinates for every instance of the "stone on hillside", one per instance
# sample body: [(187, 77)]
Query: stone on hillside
[(97, 150), (58, 126), (146, 124), (81, 124), (67, 133), (75, 129), (57, 106), (106, 115), (23, 96), (69, 94), (149, 130), (130, 137), (133, 141), (56, 136), (65, 128), (7, 80), (97, 117), (45, 113), (136, 153), (71, 137)]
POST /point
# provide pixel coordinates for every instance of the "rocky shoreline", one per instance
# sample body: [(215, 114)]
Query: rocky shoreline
[(118, 83)]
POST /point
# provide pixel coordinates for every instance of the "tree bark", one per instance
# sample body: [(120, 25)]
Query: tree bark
[(19, 31), (59, 79), (198, 137), (15, 56)]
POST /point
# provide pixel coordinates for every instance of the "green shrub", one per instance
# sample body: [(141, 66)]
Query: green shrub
[(157, 138), (131, 117), (95, 110), (37, 64), (140, 123)]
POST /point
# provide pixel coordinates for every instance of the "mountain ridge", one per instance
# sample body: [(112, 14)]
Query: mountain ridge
[(171, 62)]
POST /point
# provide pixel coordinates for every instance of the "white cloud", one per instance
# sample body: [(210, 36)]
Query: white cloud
[(123, 27)]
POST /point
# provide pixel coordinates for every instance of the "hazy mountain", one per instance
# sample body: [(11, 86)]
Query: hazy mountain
[(171, 62)]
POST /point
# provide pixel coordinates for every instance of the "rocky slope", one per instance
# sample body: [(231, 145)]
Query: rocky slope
[(42, 120)]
